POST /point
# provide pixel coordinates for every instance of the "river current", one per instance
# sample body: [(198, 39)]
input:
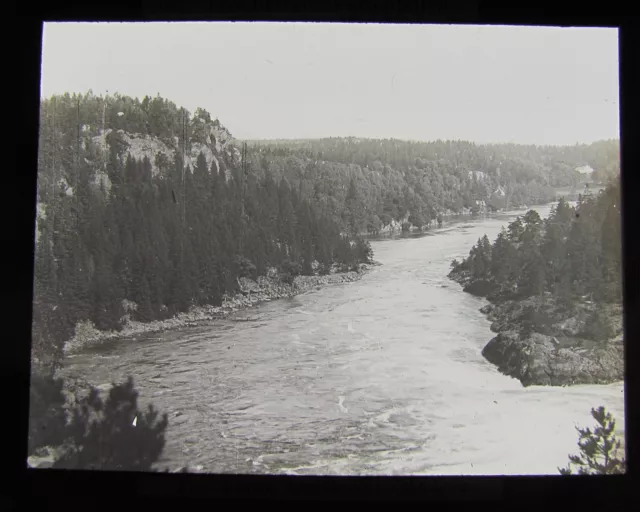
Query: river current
[(383, 376)]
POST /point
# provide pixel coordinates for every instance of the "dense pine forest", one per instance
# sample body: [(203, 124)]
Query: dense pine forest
[(165, 235), (575, 252), (140, 201)]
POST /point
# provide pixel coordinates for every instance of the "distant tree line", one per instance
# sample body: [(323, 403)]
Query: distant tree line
[(366, 184)]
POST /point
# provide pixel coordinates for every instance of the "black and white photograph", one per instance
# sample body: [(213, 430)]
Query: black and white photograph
[(308, 249)]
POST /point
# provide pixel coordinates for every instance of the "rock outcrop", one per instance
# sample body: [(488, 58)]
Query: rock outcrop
[(543, 341), (537, 360)]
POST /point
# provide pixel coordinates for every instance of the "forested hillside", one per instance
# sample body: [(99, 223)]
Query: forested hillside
[(366, 184), (141, 202)]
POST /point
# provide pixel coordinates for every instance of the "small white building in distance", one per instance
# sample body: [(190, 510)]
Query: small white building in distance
[(586, 175)]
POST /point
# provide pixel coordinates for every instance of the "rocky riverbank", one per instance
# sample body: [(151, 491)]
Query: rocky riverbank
[(542, 341), (265, 288)]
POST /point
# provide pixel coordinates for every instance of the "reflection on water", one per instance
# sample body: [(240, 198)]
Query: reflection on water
[(380, 376)]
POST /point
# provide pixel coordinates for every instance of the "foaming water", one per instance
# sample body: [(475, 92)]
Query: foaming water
[(380, 376)]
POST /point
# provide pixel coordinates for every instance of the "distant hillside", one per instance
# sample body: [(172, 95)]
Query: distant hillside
[(395, 182), (418, 182)]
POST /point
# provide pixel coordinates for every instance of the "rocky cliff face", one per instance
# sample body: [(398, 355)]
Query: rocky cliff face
[(211, 139), (541, 341)]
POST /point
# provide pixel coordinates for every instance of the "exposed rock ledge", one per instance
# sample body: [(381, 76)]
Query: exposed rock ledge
[(264, 289), (540, 342), (536, 360)]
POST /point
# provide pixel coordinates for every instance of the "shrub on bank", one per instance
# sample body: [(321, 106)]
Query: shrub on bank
[(289, 270), (246, 268)]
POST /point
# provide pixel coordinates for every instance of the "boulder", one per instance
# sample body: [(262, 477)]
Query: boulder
[(45, 457), (538, 360)]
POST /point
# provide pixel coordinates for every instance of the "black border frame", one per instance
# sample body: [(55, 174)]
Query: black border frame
[(113, 487)]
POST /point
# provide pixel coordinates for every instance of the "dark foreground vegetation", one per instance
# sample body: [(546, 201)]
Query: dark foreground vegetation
[(77, 429)]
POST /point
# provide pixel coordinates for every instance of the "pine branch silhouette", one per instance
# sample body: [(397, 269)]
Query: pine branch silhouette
[(598, 447)]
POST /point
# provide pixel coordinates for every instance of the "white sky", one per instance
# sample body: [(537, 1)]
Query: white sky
[(421, 82)]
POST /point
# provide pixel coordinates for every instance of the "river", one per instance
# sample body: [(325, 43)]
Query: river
[(383, 376)]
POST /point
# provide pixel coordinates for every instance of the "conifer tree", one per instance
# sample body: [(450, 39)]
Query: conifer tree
[(500, 258), (533, 272), (515, 231), (599, 449), (611, 246)]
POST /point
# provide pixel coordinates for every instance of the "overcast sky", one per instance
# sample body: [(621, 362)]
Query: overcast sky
[(420, 82)]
